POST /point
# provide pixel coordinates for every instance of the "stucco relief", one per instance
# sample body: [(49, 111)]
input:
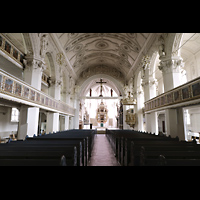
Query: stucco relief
[(102, 70)]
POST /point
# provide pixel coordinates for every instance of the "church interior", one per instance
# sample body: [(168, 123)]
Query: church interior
[(100, 83)]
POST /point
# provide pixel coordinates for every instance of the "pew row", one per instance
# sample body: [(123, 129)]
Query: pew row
[(64, 148), (134, 148)]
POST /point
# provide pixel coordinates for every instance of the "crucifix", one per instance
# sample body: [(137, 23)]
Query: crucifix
[(101, 82)]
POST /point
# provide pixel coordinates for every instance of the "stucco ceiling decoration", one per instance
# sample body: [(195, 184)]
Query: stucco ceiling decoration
[(114, 50)]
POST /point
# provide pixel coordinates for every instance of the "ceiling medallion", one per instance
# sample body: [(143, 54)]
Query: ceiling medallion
[(101, 45), (102, 34), (123, 54), (125, 47), (80, 55), (78, 47), (71, 35), (132, 35)]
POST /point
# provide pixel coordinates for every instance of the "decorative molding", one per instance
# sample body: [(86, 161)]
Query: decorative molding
[(11, 51), (102, 70), (43, 45), (184, 93), (34, 63), (13, 87), (171, 65)]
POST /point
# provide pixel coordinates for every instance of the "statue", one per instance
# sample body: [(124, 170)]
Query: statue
[(111, 91), (161, 46), (43, 45)]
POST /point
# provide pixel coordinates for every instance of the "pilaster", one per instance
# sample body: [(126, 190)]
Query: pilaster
[(171, 72), (55, 89), (28, 122), (52, 122), (149, 86), (33, 71)]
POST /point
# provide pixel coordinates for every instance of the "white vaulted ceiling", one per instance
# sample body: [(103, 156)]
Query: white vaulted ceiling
[(112, 50), (190, 45)]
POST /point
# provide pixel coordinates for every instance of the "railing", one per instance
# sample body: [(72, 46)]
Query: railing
[(11, 51), (45, 79), (14, 87), (184, 93)]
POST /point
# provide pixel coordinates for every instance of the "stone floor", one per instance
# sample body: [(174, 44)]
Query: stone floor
[(102, 154)]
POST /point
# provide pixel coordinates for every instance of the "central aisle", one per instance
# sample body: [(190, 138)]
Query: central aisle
[(102, 154)]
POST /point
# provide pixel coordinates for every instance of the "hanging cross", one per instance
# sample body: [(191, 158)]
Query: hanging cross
[(101, 82)]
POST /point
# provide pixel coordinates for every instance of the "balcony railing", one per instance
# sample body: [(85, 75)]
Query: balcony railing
[(185, 93), (11, 51), (11, 86)]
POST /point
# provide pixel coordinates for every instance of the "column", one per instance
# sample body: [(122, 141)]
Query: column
[(149, 86), (52, 122), (171, 72), (28, 122), (140, 100), (171, 77), (76, 117), (55, 89), (125, 125), (180, 124), (175, 123), (152, 122), (66, 122), (71, 122), (76, 106), (33, 72), (171, 122), (66, 99)]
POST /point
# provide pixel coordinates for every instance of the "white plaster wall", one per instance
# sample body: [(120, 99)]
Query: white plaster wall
[(7, 127), (192, 66)]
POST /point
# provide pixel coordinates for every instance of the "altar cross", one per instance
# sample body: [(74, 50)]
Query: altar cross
[(101, 82)]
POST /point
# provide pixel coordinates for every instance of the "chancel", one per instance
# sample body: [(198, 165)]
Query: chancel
[(87, 99)]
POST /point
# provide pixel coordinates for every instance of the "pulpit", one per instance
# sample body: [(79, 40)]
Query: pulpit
[(129, 104), (130, 117)]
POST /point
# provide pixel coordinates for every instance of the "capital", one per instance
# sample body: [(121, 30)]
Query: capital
[(34, 63), (55, 82), (171, 65)]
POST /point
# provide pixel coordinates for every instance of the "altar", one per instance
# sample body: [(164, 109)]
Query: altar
[(102, 114), (100, 106)]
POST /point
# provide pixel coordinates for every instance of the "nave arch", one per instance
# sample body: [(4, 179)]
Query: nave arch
[(84, 85)]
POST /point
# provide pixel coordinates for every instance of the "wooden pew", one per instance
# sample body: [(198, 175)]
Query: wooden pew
[(177, 162), (132, 153), (128, 146), (149, 158), (79, 143), (13, 151), (74, 147), (122, 142), (73, 134), (33, 162)]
